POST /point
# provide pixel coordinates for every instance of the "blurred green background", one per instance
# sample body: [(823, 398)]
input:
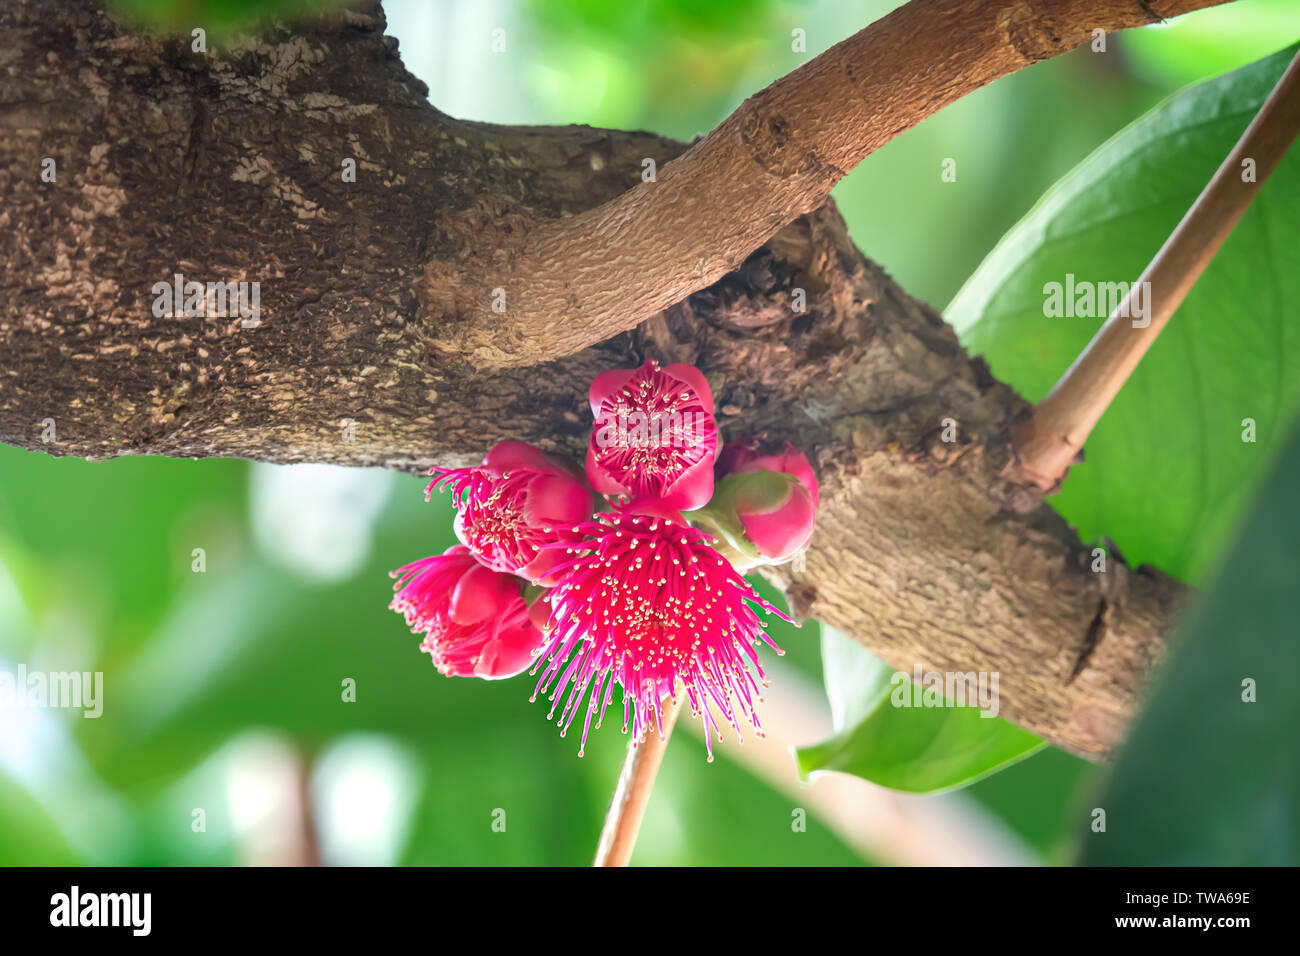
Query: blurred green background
[(224, 689)]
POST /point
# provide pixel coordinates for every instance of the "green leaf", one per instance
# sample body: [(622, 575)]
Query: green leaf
[(1209, 777), (912, 748), (1167, 472)]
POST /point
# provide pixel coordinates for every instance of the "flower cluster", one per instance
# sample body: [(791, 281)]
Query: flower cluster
[(628, 572)]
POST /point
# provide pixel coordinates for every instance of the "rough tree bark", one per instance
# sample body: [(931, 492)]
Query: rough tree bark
[(227, 166)]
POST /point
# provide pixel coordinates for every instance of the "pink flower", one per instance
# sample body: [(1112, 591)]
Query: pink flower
[(645, 604), (774, 497), (519, 501), (474, 620), (654, 436)]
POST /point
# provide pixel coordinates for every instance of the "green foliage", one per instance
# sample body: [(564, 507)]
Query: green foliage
[(1211, 774), (681, 64), (1214, 41), (1167, 470), (917, 749), (1039, 797), (28, 833)]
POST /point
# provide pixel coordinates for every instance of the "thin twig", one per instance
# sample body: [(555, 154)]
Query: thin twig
[(1051, 440), (633, 792), (308, 851)]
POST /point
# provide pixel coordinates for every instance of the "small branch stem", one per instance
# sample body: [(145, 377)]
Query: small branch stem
[(580, 280), (633, 792), (1050, 441)]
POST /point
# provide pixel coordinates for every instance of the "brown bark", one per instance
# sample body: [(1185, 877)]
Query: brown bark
[(228, 165)]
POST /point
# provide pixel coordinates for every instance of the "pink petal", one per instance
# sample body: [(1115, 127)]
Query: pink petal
[(480, 594), (693, 487), (780, 533), (693, 377), (507, 456), (606, 384), (598, 477), (557, 501), (538, 570), (795, 462), (508, 653)]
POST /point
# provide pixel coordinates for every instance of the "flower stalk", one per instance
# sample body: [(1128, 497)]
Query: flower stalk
[(632, 794)]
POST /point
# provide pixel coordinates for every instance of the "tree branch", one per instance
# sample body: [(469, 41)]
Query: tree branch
[(571, 283), (228, 166)]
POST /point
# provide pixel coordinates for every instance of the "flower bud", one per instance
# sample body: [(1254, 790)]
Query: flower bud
[(764, 506), (474, 619)]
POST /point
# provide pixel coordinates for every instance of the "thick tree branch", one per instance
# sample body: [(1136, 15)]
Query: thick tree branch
[(228, 166), (571, 283)]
